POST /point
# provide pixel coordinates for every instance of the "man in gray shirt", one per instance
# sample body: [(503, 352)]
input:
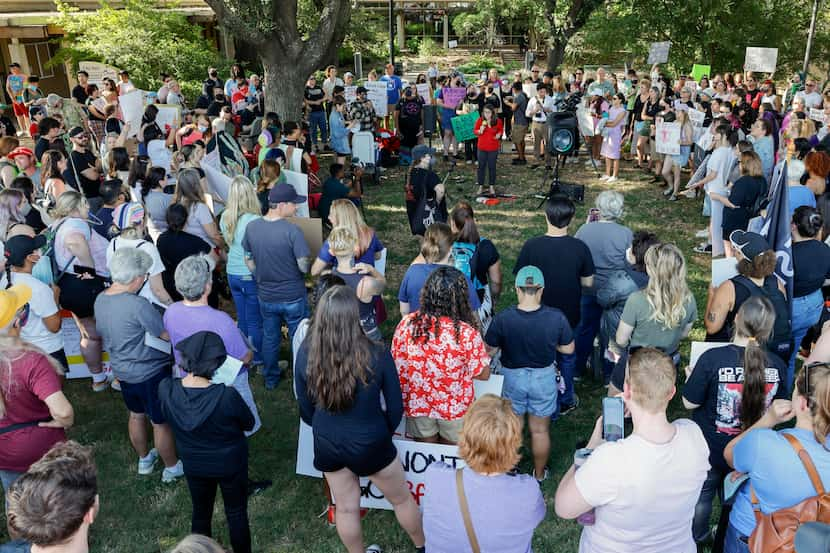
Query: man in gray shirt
[(520, 122), (134, 335), (278, 256)]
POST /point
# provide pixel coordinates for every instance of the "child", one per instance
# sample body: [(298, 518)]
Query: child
[(335, 188), (531, 336)]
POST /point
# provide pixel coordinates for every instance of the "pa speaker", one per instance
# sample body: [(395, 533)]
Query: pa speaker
[(563, 133), (429, 120)]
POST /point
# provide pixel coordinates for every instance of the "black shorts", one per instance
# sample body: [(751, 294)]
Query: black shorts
[(363, 459), (143, 397), (79, 295)]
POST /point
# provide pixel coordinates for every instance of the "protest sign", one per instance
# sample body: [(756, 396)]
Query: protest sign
[(462, 126), (699, 71), (762, 60), (659, 52), (312, 228), (350, 94), (376, 92), (72, 349), (452, 96), (218, 183), (667, 138), (723, 269), (169, 117), (98, 72), (424, 92), (585, 120), (699, 348), (300, 183), (452, 44), (529, 89), (818, 115), (132, 108), (696, 117)]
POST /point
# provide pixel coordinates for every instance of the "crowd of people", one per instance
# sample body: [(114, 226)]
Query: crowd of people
[(128, 233)]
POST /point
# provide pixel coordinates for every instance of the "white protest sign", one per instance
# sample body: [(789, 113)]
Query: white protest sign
[(667, 138), (696, 117), (723, 269), (529, 89), (705, 140), (300, 183), (762, 60), (98, 72), (699, 348), (659, 52), (218, 183), (350, 94), (424, 92), (376, 92), (585, 120), (818, 115), (132, 108), (169, 117)]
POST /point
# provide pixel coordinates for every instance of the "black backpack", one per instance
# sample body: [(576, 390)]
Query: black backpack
[(781, 330)]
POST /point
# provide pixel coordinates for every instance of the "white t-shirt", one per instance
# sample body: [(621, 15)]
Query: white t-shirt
[(147, 247), (41, 305), (644, 493), (811, 99)]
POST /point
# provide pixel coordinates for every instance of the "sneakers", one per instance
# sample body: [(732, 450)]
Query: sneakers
[(566, 408), (374, 548), (605, 177), (544, 477), (171, 473), (100, 386), (148, 463), (703, 248), (611, 179), (115, 384)]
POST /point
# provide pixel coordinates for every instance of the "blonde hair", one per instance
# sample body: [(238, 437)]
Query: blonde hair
[(68, 203), (491, 436), (438, 240), (196, 543), (751, 165), (241, 200), (12, 349), (346, 214), (650, 378), (342, 241), (269, 174), (667, 292)]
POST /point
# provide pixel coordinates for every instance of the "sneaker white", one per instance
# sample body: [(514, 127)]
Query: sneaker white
[(605, 177), (611, 179), (171, 473), (148, 463), (702, 233)]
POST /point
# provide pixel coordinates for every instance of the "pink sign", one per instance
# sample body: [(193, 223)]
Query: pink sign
[(453, 96)]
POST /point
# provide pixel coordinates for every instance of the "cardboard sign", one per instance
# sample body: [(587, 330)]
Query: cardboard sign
[(300, 183), (312, 228), (699, 348), (667, 138), (762, 60), (699, 71), (659, 52), (98, 72), (452, 96), (350, 94), (132, 108), (463, 125), (425, 92), (376, 92), (723, 269), (529, 89), (696, 117), (818, 115)]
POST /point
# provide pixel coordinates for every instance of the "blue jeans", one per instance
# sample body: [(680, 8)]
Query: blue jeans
[(249, 319), (713, 485), (586, 330), (531, 390), (734, 542), (317, 120), (273, 315), (567, 362), (806, 313)]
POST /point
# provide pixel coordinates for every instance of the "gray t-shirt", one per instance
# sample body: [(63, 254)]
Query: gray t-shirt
[(275, 247), (607, 242), (648, 332), (123, 320), (520, 105)]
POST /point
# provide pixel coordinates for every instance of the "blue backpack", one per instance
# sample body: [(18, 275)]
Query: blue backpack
[(462, 254)]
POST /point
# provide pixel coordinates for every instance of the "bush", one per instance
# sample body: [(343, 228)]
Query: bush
[(429, 48), (413, 44), (479, 63)]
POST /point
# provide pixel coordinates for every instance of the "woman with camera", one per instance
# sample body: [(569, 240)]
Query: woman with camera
[(488, 128)]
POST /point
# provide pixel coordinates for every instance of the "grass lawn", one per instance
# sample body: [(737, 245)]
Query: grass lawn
[(141, 515)]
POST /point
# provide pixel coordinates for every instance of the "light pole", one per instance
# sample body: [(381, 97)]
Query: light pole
[(810, 34), (392, 32)]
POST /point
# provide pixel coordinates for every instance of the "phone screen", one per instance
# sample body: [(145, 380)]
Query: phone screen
[(612, 418), (593, 214)]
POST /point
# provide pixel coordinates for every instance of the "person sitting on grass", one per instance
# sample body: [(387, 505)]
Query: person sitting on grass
[(337, 188), (531, 336), (644, 487)]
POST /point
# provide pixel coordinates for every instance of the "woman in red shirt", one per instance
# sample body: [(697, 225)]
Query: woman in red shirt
[(488, 128), (438, 351)]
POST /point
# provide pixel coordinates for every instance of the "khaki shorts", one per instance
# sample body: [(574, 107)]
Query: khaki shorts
[(517, 135), (426, 427)]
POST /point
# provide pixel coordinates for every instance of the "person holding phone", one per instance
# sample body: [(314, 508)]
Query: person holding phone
[(643, 487), (488, 128), (531, 336)]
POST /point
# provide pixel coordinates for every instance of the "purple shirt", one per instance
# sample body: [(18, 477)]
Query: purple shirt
[(505, 511), (182, 321)]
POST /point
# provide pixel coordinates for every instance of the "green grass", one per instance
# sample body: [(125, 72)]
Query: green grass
[(141, 515)]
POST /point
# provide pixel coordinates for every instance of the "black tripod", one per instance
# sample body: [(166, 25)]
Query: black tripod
[(575, 192)]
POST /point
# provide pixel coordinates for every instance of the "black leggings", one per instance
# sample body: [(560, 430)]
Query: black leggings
[(487, 162), (234, 496)]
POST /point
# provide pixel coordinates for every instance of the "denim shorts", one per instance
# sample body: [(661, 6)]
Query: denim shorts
[(532, 391)]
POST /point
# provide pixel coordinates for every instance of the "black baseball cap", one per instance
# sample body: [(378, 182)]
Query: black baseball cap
[(75, 131), (360, 90), (284, 194), (750, 244), (20, 246)]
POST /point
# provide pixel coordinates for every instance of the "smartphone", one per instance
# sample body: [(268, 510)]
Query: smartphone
[(612, 418), (593, 215)]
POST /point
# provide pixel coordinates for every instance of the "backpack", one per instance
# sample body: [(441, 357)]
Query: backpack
[(49, 250), (462, 254), (775, 532), (781, 330)]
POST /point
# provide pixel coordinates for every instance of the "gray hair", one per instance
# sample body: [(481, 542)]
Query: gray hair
[(610, 204), (192, 276), (127, 264)]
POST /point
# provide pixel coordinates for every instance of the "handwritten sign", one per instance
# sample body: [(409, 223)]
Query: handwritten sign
[(452, 96), (132, 108), (350, 94), (667, 137), (818, 115), (300, 183), (169, 116), (425, 92), (98, 72), (762, 60), (462, 126), (696, 117), (699, 71), (659, 52), (376, 92)]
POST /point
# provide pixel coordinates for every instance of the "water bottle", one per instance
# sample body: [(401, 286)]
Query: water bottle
[(580, 456)]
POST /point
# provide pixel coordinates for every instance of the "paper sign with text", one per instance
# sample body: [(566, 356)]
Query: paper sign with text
[(98, 72), (818, 115), (667, 138), (425, 92), (463, 126), (659, 52), (699, 71), (696, 117), (350, 94), (761, 59), (452, 96), (376, 92)]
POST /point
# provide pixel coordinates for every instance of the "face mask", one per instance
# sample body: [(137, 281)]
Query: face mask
[(25, 209), (202, 128)]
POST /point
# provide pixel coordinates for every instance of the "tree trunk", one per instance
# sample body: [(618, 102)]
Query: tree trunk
[(556, 55), (284, 86)]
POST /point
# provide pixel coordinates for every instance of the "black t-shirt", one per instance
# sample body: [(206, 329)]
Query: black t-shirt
[(743, 194), (811, 266), (493, 102), (638, 108), (563, 260), (653, 109), (528, 339), (173, 248), (716, 385), (43, 144), (112, 125), (314, 94), (485, 255), (152, 132), (80, 162), (410, 110), (80, 94), (215, 107)]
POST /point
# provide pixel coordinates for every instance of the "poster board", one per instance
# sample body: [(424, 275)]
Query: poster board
[(667, 138), (218, 183), (132, 108), (72, 349), (463, 125), (699, 71), (376, 92), (585, 120), (425, 92), (658, 52), (529, 89), (723, 269), (98, 72), (350, 94), (300, 183), (696, 117), (312, 228), (762, 60), (452, 96), (169, 116), (699, 348), (818, 115)]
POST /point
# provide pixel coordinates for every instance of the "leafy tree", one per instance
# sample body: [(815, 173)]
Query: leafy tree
[(140, 38), (289, 46), (565, 19)]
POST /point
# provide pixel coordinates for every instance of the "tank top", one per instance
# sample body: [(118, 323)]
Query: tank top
[(367, 310)]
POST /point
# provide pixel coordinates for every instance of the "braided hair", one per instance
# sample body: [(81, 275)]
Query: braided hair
[(445, 294)]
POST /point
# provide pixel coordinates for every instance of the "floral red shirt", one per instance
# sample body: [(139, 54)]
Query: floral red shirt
[(437, 377)]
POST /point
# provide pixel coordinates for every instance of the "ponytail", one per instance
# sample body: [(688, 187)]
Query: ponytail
[(817, 392), (437, 242), (754, 321)]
